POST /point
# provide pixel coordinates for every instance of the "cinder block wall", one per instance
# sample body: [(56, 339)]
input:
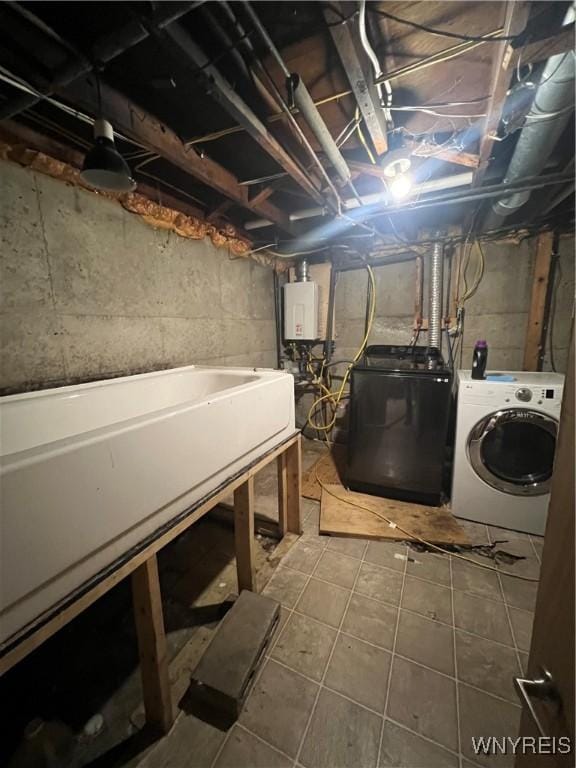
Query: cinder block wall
[(89, 290)]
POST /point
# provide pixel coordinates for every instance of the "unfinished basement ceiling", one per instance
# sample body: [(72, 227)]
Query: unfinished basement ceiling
[(158, 94)]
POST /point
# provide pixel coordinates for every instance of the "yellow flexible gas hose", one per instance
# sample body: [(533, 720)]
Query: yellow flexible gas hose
[(335, 397)]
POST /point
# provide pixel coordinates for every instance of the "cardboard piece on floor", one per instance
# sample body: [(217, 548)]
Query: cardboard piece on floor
[(330, 469), (340, 518)]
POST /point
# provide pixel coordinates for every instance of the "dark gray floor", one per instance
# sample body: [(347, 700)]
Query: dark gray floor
[(385, 657)]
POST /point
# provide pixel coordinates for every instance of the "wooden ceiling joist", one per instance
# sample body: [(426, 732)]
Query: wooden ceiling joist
[(148, 131), (516, 17), (224, 94), (361, 83)]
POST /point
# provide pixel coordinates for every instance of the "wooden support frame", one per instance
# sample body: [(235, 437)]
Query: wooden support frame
[(147, 600), (290, 489), (142, 567), (534, 342)]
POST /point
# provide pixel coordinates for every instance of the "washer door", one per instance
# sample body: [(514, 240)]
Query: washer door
[(513, 451)]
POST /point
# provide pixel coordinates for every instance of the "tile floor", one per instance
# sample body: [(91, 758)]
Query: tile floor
[(385, 657)]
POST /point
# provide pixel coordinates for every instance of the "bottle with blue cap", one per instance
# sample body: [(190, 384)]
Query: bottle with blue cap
[(479, 359)]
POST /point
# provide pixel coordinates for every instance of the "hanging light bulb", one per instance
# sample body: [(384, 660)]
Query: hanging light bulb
[(401, 186), (104, 167)]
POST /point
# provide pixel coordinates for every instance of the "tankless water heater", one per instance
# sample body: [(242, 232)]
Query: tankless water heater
[(301, 311)]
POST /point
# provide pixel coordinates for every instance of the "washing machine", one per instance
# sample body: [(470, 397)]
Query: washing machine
[(506, 433)]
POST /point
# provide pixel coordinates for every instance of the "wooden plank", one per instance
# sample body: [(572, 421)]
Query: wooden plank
[(339, 517), (539, 50), (244, 534), (136, 123), (294, 487), (152, 649), (516, 16), (282, 469), (534, 343), (365, 92), (229, 100), (552, 645), (33, 638)]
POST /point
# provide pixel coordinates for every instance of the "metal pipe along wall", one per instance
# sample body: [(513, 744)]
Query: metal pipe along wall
[(435, 305)]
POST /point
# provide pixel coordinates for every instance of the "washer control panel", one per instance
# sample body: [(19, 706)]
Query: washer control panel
[(524, 394)]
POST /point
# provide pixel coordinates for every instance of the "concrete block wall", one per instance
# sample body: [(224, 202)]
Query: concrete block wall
[(89, 290)]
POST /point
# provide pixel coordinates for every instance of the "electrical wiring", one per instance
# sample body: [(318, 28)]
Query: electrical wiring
[(440, 32), (336, 397), (415, 536), (434, 113), (375, 63), (363, 139)]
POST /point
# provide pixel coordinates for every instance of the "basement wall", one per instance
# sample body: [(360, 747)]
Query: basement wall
[(88, 290), (498, 312)]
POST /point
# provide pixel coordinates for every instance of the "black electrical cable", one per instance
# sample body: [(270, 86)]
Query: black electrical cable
[(440, 32)]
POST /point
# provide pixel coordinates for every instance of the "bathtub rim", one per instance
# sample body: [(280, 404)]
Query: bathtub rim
[(15, 459)]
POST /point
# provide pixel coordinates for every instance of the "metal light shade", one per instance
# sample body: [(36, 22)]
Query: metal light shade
[(104, 167)]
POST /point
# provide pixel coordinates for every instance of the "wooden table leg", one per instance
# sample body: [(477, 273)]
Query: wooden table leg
[(244, 535), (293, 458), (282, 493), (152, 645)]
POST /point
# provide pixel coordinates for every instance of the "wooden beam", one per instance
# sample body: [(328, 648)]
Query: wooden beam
[(152, 645), (516, 17), (244, 535), (364, 90), (539, 50), (293, 456), (534, 343), (148, 131), (229, 100)]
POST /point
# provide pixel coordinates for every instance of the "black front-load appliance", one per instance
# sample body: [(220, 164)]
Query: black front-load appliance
[(400, 401)]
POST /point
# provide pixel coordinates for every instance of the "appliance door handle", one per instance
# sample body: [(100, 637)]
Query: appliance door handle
[(542, 688)]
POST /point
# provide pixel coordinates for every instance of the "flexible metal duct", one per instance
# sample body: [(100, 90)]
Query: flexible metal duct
[(545, 123), (435, 301)]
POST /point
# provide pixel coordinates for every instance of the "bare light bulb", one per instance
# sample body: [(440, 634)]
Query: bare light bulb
[(401, 186)]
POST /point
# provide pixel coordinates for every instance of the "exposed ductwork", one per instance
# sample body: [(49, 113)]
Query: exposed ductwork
[(435, 296), (545, 123)]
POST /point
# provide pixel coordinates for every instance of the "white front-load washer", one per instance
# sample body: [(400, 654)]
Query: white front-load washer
[(504, 452)]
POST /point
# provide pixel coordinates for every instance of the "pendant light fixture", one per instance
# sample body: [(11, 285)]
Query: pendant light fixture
[(104, 167)]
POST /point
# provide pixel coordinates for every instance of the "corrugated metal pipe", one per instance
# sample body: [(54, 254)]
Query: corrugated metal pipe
[(545, 122), (435, 299)]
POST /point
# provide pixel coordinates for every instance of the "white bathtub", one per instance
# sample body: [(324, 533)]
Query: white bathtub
[(88, 472)]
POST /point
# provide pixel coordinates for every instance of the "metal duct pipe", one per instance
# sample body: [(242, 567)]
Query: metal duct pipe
[(435, 300), (309, 110), (545, 123)]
